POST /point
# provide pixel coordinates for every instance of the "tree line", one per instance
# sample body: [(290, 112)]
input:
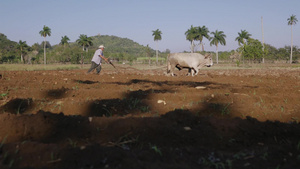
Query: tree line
[(123, 49), (251, 49), (80, 51)]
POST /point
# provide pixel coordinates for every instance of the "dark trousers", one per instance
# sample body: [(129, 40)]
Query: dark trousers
[(95, 66)]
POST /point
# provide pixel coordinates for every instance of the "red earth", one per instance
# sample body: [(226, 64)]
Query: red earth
[(132, 118)]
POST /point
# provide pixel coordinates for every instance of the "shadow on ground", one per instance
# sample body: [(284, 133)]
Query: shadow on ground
[(17, 106), (178, 139), (133, 102)]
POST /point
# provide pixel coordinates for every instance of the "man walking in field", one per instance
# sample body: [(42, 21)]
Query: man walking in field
[(96, 60)]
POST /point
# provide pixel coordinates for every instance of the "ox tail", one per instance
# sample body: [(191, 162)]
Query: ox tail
[(168, 64)]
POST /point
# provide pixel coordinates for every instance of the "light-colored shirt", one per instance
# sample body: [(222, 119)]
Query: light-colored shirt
[(96, 58)]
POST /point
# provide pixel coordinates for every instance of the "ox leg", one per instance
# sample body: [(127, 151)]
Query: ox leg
[(189, 72), (178, 67), (192, 72), (195, 71), (198, 69), (172, 70)]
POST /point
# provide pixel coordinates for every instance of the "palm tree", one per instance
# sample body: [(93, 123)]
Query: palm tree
[(292, 20), (64, 40), (218, 37), (191, 35), (243, 36), (85, 42), (200, 33), (82, 41), (22, 45), (89, 43), (45, 32), (157, 36)]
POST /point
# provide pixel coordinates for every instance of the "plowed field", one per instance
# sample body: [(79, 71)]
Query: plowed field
[(132, 118)]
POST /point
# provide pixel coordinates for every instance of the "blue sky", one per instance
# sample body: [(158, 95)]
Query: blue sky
[(136, 19)]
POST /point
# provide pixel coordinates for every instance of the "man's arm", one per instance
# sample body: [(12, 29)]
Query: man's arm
[(106, 60)]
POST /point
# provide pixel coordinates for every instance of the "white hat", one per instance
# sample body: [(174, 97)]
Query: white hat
[(101, 46)]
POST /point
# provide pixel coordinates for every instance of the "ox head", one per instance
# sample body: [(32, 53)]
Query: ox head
[(208, 60)]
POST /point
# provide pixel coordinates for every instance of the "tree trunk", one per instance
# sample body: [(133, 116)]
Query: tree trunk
[(291, 57), (263, 41), (192, 46), (82, 57), (45, 50), (243, 53), (156, 53), (201, 45), (217, 54), (149, 58), (21, 56)]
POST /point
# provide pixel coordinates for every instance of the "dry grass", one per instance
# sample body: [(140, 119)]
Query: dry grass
[(26, 67)]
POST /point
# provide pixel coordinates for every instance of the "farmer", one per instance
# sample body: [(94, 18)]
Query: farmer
[(96, 61)]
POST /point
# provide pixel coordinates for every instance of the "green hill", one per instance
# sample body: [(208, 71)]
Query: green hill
[(116, 45), (7, 49), (118, 48)]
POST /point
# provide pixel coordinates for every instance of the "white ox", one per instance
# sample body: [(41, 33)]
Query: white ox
[(192, 61)]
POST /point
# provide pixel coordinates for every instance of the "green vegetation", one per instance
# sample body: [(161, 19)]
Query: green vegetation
[(253, 50), (156, 149), (125, 50), (22, 46), (121, 49), (8, 50), (118, 49), (72, 143)]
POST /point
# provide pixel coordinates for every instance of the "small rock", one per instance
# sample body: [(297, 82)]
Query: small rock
[(187, 128), (59, 102), (261, 144), (161, 101), (90, 119), (200, 87), (246, 164)]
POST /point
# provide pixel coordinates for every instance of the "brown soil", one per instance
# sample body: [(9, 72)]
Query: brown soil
[(129, 119)]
